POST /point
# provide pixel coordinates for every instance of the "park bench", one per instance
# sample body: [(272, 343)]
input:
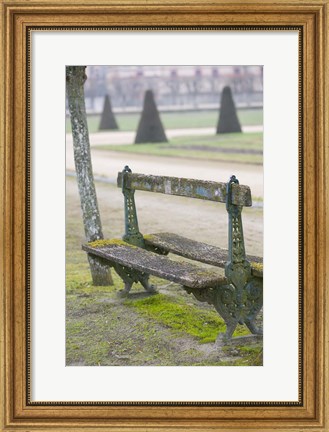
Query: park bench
[(237, 295)]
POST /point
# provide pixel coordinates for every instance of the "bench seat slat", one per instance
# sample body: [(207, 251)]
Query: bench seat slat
[(157, 265), (197, 251), (202, 189)]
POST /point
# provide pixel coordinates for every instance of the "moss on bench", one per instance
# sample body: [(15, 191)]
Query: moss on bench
[(257, 269), (107, 242)]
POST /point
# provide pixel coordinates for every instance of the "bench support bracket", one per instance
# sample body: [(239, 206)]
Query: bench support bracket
[(132, 234), (235, 306), (130, 276)]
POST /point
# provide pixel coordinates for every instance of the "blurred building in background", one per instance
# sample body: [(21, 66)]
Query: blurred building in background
[(174, 87)]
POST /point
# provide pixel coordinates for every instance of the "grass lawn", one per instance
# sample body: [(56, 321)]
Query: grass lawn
[(237, 147), (176, 120)]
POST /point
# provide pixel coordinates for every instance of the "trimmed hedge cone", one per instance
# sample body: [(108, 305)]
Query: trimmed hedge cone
[(150, 129), (228, 121), (108, 121)]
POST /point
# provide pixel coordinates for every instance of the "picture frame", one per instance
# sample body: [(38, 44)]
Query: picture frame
[(311, 412)]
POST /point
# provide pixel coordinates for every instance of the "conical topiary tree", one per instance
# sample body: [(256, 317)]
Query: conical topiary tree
[(228, 120), (150, 128), (108, 121)]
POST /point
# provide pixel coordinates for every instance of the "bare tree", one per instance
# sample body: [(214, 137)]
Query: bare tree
[(75, 79)]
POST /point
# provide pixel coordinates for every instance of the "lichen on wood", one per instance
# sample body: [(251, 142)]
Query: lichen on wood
[(198, 251), (192, 188), (257, 268), (184, 273)]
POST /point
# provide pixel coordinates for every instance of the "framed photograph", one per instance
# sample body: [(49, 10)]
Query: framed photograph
[(176, 319)]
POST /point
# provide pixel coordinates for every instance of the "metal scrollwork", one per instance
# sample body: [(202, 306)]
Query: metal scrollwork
[(130, 276), (202, 295), (134, 237), (226, 293), (240, 301), (234, 306), (132, 234)]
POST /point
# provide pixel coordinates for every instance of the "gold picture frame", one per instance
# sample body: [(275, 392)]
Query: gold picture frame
[(311, 412)]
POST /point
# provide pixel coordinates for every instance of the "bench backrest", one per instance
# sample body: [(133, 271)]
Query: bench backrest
[(202, 189), (234, 195)]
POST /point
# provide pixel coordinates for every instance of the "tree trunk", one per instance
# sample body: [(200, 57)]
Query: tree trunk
[(75, 79)]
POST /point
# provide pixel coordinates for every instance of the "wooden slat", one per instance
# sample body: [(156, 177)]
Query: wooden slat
[(202, 189), (157, 265), (197, 251)]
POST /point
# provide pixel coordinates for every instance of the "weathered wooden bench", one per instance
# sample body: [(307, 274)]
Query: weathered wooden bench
[(237, 295)]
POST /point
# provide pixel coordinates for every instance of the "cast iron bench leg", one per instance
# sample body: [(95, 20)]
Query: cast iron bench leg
[(144, 280), (253, 327), (230, 303), (230, 327), (220, 297), (129, 276)]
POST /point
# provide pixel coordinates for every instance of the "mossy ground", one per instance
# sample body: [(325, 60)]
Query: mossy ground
[(103, 329), (169, 328), (177, 314)]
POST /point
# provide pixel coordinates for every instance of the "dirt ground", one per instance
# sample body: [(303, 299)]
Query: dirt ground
[(112, 334)]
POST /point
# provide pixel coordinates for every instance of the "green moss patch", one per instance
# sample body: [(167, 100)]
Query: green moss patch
[(257, 269), (148, 236), (107, 242), (204, 325), (250, 356)]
